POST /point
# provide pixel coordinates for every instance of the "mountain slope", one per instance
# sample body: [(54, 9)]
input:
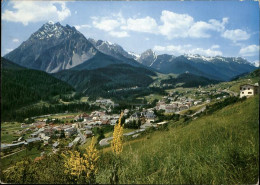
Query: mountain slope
[(7, 64), (21, 87), (101, 60), (189, 80), (99, 81)]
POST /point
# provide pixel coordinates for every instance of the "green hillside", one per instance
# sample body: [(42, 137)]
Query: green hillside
[(22, 87), (98, 82), (221, 148), (189, 80)]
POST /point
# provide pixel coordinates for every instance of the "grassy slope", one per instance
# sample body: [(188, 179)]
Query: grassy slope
[(221, 148)]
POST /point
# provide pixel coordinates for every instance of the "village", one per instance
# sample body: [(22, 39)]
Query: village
[(77, 129)]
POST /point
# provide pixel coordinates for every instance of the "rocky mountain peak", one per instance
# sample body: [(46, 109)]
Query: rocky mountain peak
[(53, 30)]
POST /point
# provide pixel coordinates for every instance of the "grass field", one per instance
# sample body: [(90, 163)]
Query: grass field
[(152, 97), (12, 159), (8, 131), (60, 116), (222, 148)]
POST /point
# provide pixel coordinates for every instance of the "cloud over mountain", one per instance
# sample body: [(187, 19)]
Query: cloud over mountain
[(26, 12)]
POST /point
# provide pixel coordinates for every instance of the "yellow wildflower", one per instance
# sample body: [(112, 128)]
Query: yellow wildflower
[(117, 143), (90, 161)]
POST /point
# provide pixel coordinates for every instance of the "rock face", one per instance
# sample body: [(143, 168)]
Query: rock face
[(53, 48), (111, 49), (147, 58)]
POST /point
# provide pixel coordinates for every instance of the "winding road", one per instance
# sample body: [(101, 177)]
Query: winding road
[(104, 141)]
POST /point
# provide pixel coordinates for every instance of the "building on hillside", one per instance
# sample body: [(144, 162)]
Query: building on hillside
[(55, 145), (249, 90), (88, 133), (70, 131), (161, 105), (183, 107), (170, 108)]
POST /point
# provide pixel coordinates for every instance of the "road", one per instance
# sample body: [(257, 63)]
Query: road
[(104, 142), (83, 138), (230, 92), (199, 111), (12, 153)]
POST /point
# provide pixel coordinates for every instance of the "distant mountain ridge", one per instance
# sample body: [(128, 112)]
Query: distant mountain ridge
[(219, 68)]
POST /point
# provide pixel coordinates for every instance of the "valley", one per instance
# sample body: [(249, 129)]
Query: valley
[(182, 119)]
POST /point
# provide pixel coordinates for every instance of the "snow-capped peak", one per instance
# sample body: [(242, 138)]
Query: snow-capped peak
[(51, 29), (134, 54), (109, 43), (50, 22)]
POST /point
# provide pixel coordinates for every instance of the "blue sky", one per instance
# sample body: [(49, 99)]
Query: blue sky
[(226, 28)]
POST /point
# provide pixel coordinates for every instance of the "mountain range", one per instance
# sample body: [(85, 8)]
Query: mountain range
[(54, 48), (219, 68)]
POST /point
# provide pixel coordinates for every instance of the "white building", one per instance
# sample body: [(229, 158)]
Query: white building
[(248, 90)]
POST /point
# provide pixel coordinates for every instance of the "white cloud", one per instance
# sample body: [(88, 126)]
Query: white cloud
[(183, 25), (106, 24), (175, 25), (200, 28), (172, 25), (186, 49), (78, 27), (119, 34), (206, 52), (236, 35), (217, 25), (15, 40), (147, 25), (8, 50), (215, 46), (251, 50), (256, 63), (35, 11)]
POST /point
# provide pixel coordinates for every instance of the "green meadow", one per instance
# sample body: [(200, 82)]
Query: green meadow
[(221, 148)]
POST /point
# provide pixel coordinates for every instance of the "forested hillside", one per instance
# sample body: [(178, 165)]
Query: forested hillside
[(98, 82), (189, 80), (21, 87)]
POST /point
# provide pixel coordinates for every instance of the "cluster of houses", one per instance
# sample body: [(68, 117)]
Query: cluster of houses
[(146, 116), (105, 103), (97, 118), (182, 103), (45, 132)]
